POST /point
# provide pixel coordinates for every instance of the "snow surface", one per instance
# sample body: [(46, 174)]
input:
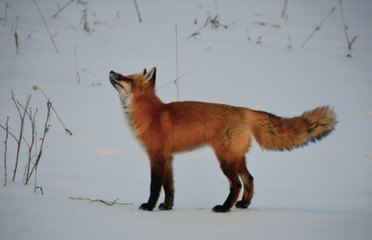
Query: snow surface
[(322, 191)]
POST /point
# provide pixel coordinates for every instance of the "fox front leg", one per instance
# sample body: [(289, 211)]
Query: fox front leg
[(161, 175), (168, 186), (157, 176)]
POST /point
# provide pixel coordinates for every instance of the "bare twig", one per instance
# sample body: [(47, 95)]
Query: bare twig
[(107, 203), (272, 25), (214, 22), (269, 26), (16, 36), (284, 15), (194, 35), (177, 75), (7, 6), (317, 28), (35, 176), (290, 45), (62, 8), (90, 73), (41, 148), (348, 41), (6, 150), (35, 88), (46, 25), (285, 18), (6, 11), (22, 116), (76, 66), (170, 82), (84, 21), (137, 10), (30, 166), (40, 188), (9, 132), (32, 118)]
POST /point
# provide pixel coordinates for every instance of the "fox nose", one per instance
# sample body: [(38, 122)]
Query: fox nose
[(112, 74)]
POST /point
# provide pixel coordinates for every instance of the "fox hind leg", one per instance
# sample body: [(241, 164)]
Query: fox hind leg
[(231, 171), (248, 183)]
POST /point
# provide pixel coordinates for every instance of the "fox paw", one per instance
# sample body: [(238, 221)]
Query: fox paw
[(241, 204), (165, 206), (146, 207), (220, 208)]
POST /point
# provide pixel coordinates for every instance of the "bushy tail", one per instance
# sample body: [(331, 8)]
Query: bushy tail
[(277, 133)]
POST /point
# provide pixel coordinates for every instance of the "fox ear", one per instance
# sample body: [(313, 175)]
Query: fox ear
[(144, 71), (151, 76)]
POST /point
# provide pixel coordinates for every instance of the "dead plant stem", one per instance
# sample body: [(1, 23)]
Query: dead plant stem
[(22, 116), (76, 66), (32, 118), (138, 11), (46, 25), (6, 149), (348, 41), (62, 8), (54, 110), (318, 27), (41, 148), (177, 73), (16, 39), (284, 9), (107, 203)]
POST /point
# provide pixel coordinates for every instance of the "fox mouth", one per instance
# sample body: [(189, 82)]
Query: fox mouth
[(114, 81)]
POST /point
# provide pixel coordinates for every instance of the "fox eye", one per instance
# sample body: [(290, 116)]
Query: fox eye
[(144, 71)]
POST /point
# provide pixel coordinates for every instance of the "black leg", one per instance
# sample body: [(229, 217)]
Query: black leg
[(157, 177), (231, 172), (168, 186), (248, 183)]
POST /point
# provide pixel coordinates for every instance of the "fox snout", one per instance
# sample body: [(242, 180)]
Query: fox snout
[(113, 75), (114, 79)]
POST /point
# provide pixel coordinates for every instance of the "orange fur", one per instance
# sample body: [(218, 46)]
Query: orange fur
[(168, 128)]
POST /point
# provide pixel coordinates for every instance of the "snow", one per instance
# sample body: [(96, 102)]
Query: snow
[(322, 191)]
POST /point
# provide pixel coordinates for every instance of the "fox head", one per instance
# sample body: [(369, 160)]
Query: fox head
[(133, 85)]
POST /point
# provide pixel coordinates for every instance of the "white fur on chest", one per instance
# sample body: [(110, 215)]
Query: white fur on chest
[(126, 103)]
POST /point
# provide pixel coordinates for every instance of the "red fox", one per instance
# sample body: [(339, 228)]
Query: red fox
[(168, 128)]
